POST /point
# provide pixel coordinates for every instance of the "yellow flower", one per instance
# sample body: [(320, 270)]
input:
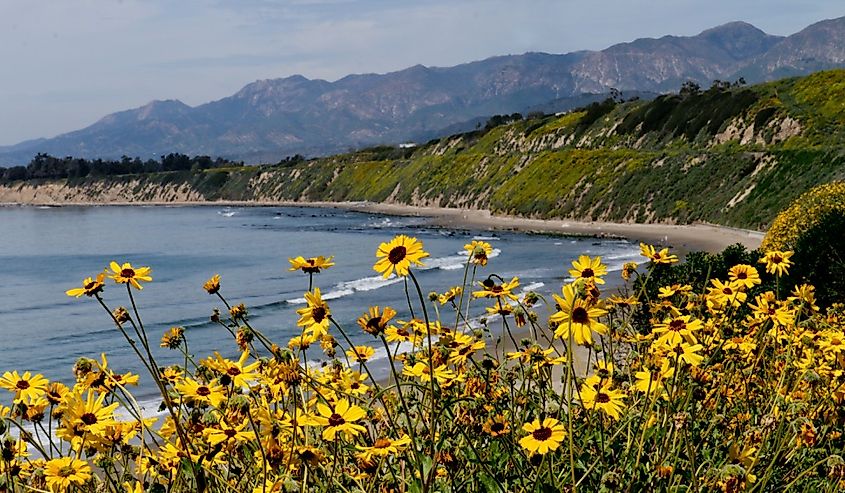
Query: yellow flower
[(126, 274), (212, 286), (64, 472), (384, 447), (450, 295), (311, 265), (314, 317), (661, 257), (398, 254), (610, 402), (577, 318), (90, 287), (628, 269), (492, 290), (194, 391), (651, 382), (688, 353), (375, 321), (26, 387), (228, 435), (542, 436), (86, 415), (360, 353), (744, 275), (777, 262), (341, 419), (727, 292), (172, 338), (443, 375), (478, 252), (676, 330), (402, 333), (496, 426), (588, 269), (241, 375)]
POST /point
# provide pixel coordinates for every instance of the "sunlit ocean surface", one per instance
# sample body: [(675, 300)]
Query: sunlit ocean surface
[(45, 251)]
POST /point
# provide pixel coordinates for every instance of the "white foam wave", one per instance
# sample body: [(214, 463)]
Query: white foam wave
[(486, 238), (346, 288), (453, 262), (227, 212), (368, 283), (533, 286)]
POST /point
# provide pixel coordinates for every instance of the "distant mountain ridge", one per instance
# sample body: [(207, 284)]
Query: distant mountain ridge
[(269, 119)]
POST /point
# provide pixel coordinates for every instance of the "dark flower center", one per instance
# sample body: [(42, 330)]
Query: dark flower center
[(90, 285), (127, 273), (742, 275), (336, 420), (588, 272), (580, 315), (203, 391), (728, 290), (230, 433), (776, 259), (381, 443), (374, 323), (89, 418), (602, 398), (496, 289), (542, 434), (234, 371), (497, 427), (677, 325), (22, 384), (397, 254), (318, 313)]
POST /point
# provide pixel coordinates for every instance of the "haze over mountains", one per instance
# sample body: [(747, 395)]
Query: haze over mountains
[(269, 119)]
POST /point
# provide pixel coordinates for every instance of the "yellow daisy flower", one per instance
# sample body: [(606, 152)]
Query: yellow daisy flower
[(575, 316), (90, 287), (64, 472), (340, 419), (478, 251), (311, 265), (543, 436), (588, 269), (126, 274), (398, 254)]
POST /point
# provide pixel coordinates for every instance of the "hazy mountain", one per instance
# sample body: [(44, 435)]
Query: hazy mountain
[(269, 119)]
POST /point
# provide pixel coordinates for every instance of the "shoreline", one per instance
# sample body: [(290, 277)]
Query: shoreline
[(681, 238)]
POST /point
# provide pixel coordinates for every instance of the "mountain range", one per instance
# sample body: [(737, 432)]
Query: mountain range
[(269, 119)]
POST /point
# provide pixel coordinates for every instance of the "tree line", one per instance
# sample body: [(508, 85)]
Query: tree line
[(45, 166)]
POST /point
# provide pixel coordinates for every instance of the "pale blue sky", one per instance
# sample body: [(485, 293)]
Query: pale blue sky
[(66, 63)]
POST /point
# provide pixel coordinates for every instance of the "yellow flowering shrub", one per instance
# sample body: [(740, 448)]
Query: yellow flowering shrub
[(803, 214), (730, 388)]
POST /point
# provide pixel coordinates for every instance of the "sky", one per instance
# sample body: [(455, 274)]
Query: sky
[(67, 63)]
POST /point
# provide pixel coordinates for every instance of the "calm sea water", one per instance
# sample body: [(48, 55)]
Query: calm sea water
[(45, 251)]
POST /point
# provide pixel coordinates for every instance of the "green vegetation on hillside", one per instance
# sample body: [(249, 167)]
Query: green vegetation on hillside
[(730, 154)]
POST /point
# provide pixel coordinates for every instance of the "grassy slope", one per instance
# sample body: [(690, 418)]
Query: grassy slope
[(635, 161)]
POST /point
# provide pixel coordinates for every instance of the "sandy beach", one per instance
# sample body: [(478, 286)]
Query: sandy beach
[(681, 238)]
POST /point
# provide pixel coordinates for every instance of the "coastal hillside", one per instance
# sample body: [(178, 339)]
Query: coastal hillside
[(729, 154), (269, 119)]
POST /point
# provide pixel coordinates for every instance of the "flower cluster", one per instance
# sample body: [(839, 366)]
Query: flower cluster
[(651, 388)]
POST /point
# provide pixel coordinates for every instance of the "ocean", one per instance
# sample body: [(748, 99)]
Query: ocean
[(45, 251)]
